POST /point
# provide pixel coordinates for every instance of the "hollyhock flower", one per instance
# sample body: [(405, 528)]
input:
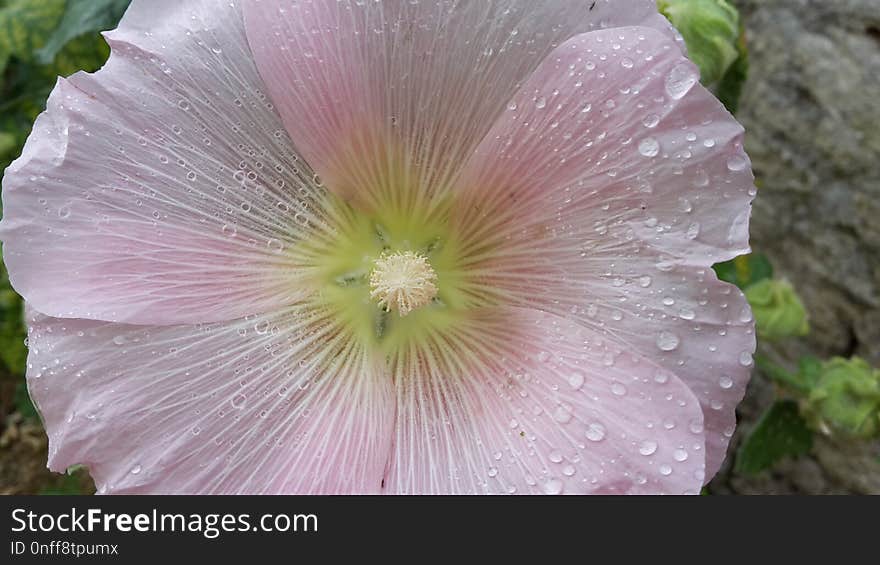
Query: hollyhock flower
[(399, 246)]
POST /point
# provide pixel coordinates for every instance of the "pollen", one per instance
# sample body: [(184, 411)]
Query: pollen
[(403, 280)]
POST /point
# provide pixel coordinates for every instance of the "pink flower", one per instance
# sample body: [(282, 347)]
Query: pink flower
[(500, 282)]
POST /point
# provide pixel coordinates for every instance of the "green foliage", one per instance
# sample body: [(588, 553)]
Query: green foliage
[(845, 398), (23, 404), (24, 25), (13, 353), (799, 382), (781, 432), (81, 17), (745, 270), (710, 29), (76, 481), (730, 87), (778, 310), (26, 81)]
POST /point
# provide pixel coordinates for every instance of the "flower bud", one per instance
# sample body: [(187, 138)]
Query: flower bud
[(846, 399), (777, 308), (710, 29)]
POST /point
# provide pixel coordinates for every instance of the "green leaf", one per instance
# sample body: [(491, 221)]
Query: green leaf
[(23, 403), (845, 399), (745, 270), (779, 311), (796, 382), (24, 26), (81, 17), (781, 432), (730, 87), (76, 481), (810, 370), (13, 353), (710, 29)]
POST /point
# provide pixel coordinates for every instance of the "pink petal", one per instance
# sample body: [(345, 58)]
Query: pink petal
[(379, 95), (162, 189), (606, 196), (532, 403), (282, 404)]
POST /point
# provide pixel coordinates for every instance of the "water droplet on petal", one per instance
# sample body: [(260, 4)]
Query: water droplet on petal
[(651, 121), (649, 147), (553, 486), (648, 447), (680, 80), (576, 380), (737, 163), (562, 415), (596, 432), (667, 341)]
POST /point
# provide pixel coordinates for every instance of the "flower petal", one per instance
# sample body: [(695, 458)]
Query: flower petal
[(605, 198), (384, 96), (163, 188), (528, 402), (282, 404)]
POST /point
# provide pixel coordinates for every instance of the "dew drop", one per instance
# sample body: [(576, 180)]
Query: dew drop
[(238, 401), (737, 163), (562, 415), (576, 380), (680, 80), (553, 486), (648, 447), (665, 470), (680, 455), (667, 341), (596, 432), (649, 147), (541, 103), (725, 382)]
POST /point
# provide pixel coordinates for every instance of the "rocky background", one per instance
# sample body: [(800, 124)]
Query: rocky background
[(811, 108)]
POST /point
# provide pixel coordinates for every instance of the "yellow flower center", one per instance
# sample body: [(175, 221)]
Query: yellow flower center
[(404, 281)]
